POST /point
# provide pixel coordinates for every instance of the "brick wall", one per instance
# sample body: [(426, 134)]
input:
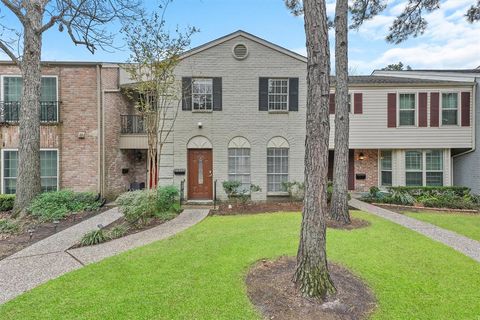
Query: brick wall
[(368, 166)]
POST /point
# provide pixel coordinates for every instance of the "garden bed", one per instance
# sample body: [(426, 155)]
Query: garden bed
[(398, 207), (256, 207), (12, 243)]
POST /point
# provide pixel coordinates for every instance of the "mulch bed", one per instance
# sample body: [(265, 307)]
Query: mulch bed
[(256, 207), (9, 244), (271, 290)]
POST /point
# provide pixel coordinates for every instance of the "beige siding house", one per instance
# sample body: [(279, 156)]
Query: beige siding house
[(241, 117)]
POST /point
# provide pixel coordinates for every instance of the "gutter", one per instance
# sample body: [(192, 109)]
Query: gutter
[(100, 130)]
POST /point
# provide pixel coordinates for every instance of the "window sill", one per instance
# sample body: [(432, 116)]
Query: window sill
[(277, 194), (202, 111), (278, 111)]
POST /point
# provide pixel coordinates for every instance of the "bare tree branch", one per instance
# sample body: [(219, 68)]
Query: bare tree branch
[(16, 9), (5, 48)]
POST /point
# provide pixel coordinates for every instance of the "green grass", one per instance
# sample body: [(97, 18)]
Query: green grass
[(199, 274), (468, 225)]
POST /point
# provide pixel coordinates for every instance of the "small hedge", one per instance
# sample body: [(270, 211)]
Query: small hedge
[(6, 202), (432, 197), (57, 205)]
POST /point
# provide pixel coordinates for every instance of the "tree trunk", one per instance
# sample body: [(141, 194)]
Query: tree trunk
[(28, 179), (311, 274), (339, 206)]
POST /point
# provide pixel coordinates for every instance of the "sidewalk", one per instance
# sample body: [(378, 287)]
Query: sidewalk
[(50, 257)]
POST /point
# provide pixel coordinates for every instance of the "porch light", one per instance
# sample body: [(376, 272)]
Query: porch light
[(200, 125), (361, 156)]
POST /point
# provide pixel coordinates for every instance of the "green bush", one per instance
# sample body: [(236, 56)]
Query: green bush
[(421, 191), (166, 198), (231, 187), (6, 202), (94, 237), (295, 189), (57, 205), (117, 231), (138, 206), (9, 226)]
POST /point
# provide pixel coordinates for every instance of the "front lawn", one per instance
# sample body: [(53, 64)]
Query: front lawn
[(468, 225), (199, 274)]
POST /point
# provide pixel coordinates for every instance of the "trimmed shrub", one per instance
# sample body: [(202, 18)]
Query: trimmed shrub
[(6, 202), (421, 191), (231, 187), (9, 226), (117, 231), (138, 206), (94, 237), (57, 205), (166, 198)]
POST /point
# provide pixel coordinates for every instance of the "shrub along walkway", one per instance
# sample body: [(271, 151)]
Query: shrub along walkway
[(462, 244), (50, 257)]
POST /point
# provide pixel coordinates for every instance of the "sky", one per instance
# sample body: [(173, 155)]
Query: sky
[(449, 42)]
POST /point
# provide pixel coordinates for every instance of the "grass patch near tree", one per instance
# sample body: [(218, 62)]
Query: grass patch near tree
[(200, 274), (467, 225)]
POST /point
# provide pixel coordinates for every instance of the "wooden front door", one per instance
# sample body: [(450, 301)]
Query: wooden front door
[(200, 174)]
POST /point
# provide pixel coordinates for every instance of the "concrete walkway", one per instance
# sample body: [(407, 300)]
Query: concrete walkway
[(50, 257), (462, 244)]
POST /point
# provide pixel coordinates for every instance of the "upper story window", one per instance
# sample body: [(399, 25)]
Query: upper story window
[(202, 94), (449, 108), (12, 95), (277, 94), (407, 109)]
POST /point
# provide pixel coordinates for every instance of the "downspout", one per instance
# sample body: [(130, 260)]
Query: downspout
[(474, 120), (99, 132)]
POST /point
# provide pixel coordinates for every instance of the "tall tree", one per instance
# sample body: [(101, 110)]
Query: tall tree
[(410, 23), (311, 274), (84, 22), (339, 205), (156, 92), (397, 67)]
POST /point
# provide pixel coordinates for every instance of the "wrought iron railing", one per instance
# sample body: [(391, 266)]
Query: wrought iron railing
[(132, 124), (10, 111)]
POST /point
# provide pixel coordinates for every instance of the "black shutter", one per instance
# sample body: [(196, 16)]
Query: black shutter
[(217, 94), (293, 94), (263, 94), (186, 93)]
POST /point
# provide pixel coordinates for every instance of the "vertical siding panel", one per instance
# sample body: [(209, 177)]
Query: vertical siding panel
[(392, 110), (358, 103), (465, 109), (422, 109), (434, 109)]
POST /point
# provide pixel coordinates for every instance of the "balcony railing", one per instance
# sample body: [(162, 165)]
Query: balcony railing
[(10, 111), (132, 124)]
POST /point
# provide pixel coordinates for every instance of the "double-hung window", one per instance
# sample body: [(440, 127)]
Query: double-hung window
[(48, 170), (202, 94), (424, 168), (413, 168), (12, 94), (278, 94), (239, 167), (277, 169), (386, 168), (434, 167), (449, 108), (407, 109)]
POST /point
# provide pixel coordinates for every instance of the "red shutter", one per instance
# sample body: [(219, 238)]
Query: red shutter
[(434, 109), (422, 109), (465, 109), (358, 103), (392, 110), (331, 104)]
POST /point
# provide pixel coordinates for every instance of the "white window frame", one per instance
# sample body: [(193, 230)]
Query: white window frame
[(236, 173), (20, 76), (441, 93), (415, 116), (202, 94), (380, 169), (16, 149), (424, 165), (280, 193), (278, 94), (422, 170)]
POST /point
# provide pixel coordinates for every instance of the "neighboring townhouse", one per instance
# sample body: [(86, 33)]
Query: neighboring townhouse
[(242, 117)]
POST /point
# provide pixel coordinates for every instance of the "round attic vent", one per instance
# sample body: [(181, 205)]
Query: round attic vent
[(240, 51)]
